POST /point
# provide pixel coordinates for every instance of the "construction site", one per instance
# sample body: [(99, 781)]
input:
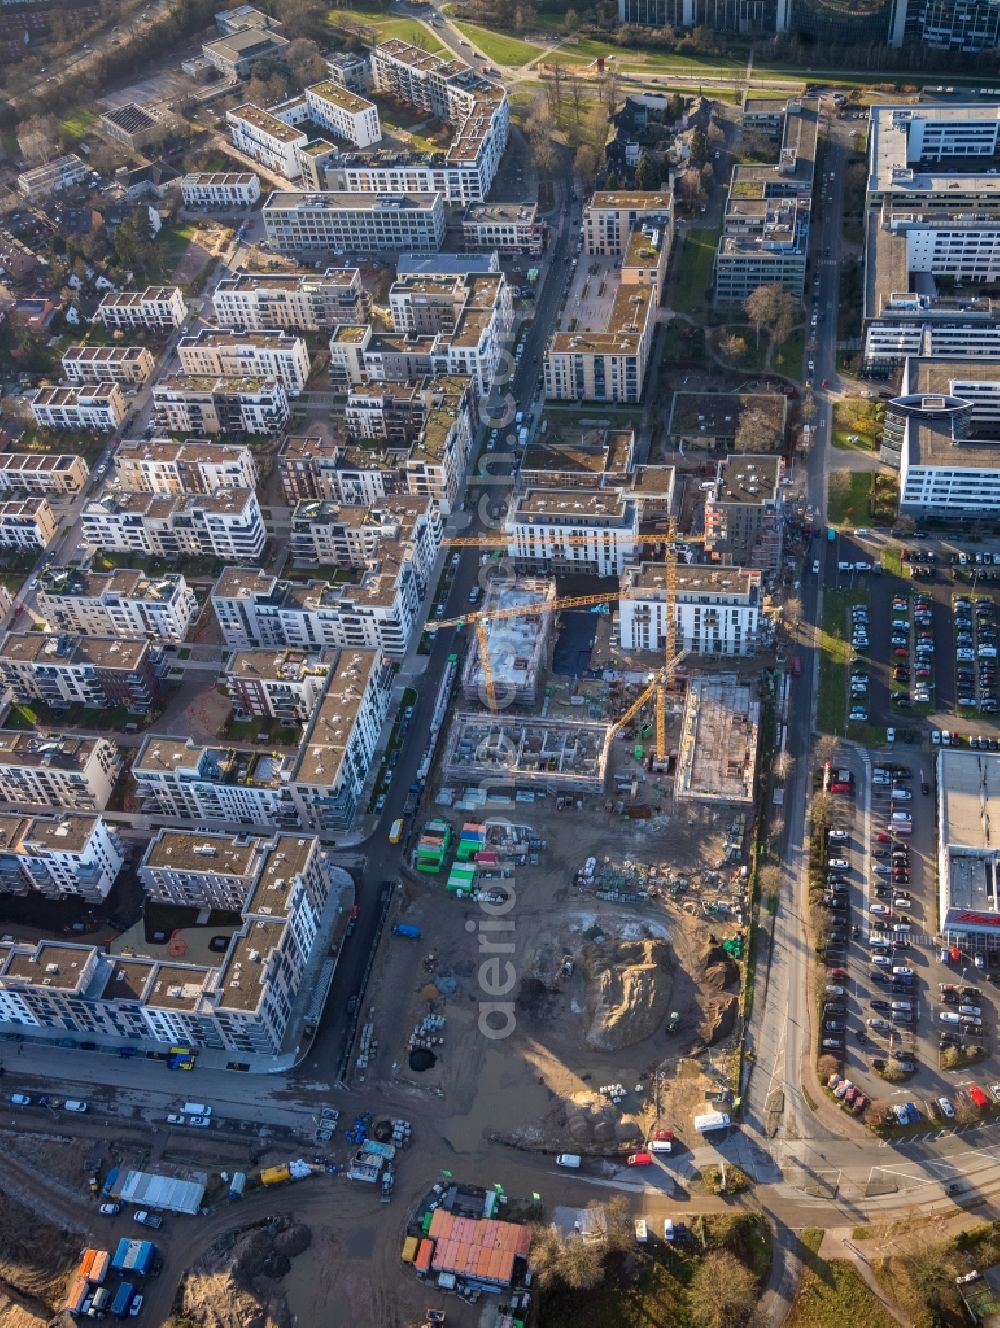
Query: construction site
[(561, 755), (519, 647), (717, 754)]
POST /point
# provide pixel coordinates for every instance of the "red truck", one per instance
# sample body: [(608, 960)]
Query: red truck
[(796, 666)]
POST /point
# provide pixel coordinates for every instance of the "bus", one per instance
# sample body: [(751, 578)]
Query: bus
[(396, 830)]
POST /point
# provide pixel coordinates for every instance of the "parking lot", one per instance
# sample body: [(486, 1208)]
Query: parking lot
[(896, 1007)]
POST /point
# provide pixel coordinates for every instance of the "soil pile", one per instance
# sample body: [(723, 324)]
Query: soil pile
[(36, 1262), (628, 989), (719, 971), (718, 974), (235, 1284)]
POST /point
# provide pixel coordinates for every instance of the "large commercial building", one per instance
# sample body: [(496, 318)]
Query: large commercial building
[(159, 465), (48, 770), (744, 517), (26, 523), (270, 354), (304, 302), (156, 308), (122, 603), (236, 54), (60, 857), (107, 364), (100, 407), (717, 610), (316, 789), (39, 473), (63, 670), (968, 860), (766, 227), (942, 432), (226, 524), (354, 222), (190, 403)]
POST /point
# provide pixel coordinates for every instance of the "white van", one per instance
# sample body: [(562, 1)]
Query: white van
[(571, 1160), (74, 1106), (659, 1146), (196, 1109)]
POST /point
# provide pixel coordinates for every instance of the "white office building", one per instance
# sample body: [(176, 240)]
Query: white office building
[(354, 222)]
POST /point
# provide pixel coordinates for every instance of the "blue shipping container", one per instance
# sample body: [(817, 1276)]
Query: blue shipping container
[(123, 1299), (404, 929)]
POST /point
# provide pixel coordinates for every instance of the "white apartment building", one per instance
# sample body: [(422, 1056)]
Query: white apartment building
[(62, 670), (60, 857), (39, 473), (380, 612), (504, 228), (100, 407), (159, 465), (122, 603), (190, 403), (203, 870), (53, 177), (285, 685), (49, 770), (943, 426), (220, 189), (226, 524), (404, 527), (717, 610), (744, 512), (267, 139), (603, 524), (156, 307), (26, 523), (304, 302), (271, 354), (317, 789), (612, 215), (469, 317), (107, 364), (354, 222), (345, 113)]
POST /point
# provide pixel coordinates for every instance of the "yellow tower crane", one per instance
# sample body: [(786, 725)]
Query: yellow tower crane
[(657, 688)]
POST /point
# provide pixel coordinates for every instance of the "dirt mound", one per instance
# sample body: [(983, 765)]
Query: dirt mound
[(628, 988), (36, 1261), (719, 970), (233, 1286), (718, 1019)]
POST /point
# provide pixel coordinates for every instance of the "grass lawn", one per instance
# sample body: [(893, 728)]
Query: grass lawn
[(892, 562), (787, 359), (406, 29), (585, 50), (694, 272), (833, 1293), (174, 239), (503, 50), (850, 498), (857, 420), (79, 121), (835, 653), (683, 343)]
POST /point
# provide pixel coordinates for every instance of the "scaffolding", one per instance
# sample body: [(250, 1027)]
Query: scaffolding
[(518, 647), (566, 756)]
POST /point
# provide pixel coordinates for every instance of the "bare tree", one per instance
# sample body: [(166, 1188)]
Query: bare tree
[(305, 61), (826, 748), (585, 164), (39, 138), (772, 307), (722, 1292)]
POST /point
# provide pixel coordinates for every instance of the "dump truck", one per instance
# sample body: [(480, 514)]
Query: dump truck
[(275, 1175)]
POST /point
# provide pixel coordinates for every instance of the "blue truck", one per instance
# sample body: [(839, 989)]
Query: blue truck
[(122, 1302)]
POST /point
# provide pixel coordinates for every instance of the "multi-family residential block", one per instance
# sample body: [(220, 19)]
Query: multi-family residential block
[(603, 525), (156, 307), (744, 512), (354, 222), (267, 139), (505, 228), (717, 611), (56, 175), (305, 302), (350, 69), (270, 354), (159, 465), (26, 523), (190, 403), (226, 524), (430, 461), (99, 672), (203, 870), (42, 472), (285, 685), (50, 770), (107, 364), (100, 407), (331, 534), (316, 789), (220, 189), (59, 856), (611, 216), (345, 113), (122, 603), (470, 319)]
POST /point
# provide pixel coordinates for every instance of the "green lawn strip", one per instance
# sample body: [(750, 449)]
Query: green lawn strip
[(585, 50), (79, 121), (849, 500), (788, 356), (499, 48), (694, 273), (857, 420), (410, 30), (833, 1293), (835, 653), (892, 562)]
